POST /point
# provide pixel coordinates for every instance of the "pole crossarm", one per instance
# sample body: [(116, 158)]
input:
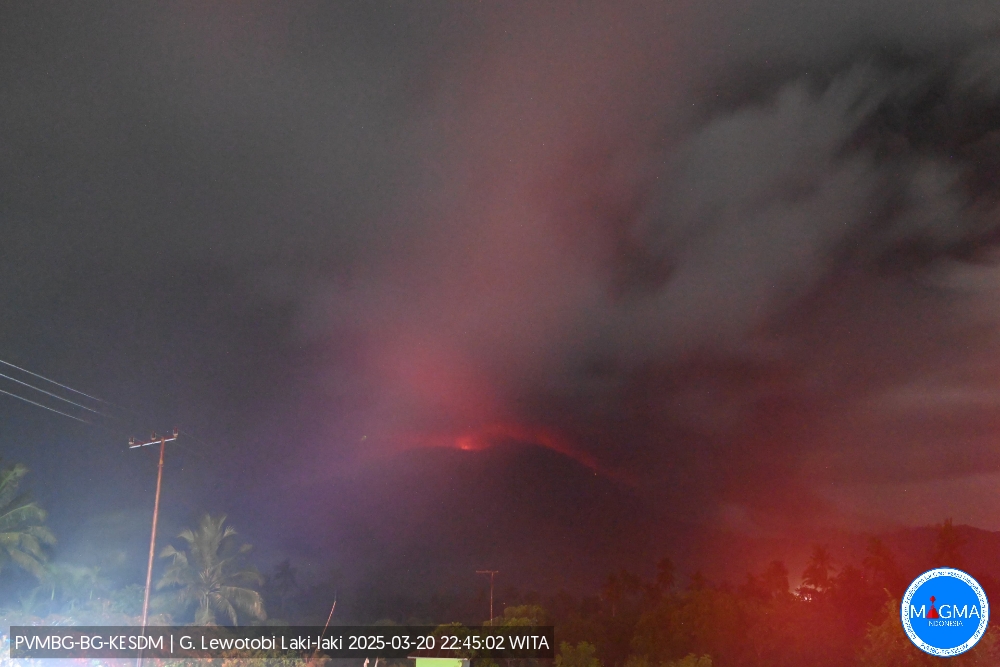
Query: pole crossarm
[(154, 440)]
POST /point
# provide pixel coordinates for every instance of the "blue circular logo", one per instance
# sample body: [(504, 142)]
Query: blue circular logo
[(945, 612)]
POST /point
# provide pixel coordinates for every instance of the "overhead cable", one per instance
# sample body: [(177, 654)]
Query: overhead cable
[(58, 384), (42, 405), (49, 393)]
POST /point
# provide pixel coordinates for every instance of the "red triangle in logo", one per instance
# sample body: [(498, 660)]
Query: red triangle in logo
[(933, 613)]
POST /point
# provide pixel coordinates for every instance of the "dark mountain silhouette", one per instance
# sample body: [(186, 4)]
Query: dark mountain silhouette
[(431, 518)]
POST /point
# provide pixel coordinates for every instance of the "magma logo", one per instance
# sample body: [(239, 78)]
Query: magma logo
[(945, 612)]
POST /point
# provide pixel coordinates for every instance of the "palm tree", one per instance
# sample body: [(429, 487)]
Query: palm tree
[(70, 586), (816, 576), (665, 574), (948, 546), (210, 574), (22, 533)]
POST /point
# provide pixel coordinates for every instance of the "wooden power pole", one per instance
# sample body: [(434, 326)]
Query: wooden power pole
[(162, 441), (491, 573)]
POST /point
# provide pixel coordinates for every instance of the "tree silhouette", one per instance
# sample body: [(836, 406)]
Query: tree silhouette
[(691, 660), (882, 568), (23, 535), (583, 654), (281, 587), (209, 574), (948, 546), (521, 615), (775, 579), (816, 576), (666, 574), (70, 586)]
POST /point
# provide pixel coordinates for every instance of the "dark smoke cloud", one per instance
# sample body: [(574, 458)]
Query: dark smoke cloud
[(714, 265), (739, 257), (709, 260)]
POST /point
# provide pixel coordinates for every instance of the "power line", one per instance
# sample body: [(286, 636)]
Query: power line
[(59, 384), (119, 419), (114, 417), (49, 393), (116, 433), (64, 414), (197, 439)]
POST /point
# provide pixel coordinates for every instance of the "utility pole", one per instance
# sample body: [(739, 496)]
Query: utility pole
[(162, 440), (491, 573)]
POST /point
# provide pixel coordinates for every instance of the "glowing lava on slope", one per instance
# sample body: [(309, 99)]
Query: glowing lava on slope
[(500, 432)]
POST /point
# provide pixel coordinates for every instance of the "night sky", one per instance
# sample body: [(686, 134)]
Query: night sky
[(438, 287)]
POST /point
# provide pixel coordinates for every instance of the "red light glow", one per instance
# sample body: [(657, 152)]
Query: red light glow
[(497, 433)]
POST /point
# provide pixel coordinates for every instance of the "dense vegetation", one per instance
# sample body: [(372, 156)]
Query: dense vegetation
[(836, 618), (23, 536)]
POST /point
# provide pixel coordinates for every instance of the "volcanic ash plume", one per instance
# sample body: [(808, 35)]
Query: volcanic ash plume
[(703, 275)]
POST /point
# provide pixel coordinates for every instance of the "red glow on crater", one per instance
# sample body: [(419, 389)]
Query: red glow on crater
[(497, 433)]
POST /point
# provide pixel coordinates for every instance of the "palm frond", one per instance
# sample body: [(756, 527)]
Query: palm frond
[(204, 615), (24, 514), (222, 604), (246, 577), (210, 575), (169, 551), (27, 562), (10, 479), (246, 600), (22, 535), (31, 545), (42, 534)]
